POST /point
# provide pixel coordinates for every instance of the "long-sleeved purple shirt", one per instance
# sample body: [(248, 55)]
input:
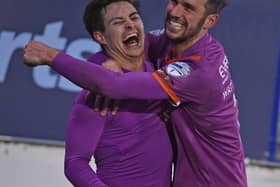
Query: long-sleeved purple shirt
[(206, 125), (131, 148)]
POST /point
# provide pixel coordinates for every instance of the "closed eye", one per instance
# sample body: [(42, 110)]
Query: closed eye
[(189, 7), (135, 16)]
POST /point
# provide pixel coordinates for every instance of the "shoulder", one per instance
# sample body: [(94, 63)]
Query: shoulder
[(148, 66), (98, 58), (156, 44), (213, 50), (157, 37)]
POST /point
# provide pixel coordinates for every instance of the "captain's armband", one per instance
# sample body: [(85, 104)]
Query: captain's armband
[(164, 80)]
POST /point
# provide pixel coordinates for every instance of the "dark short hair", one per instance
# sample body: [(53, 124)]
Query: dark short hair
[(93, 18), (215, 6)]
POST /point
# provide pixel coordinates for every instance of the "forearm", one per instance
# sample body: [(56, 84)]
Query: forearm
[(137, 85), (79, 173), (84, 130)]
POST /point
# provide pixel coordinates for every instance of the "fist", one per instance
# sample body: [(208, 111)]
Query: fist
[(37, 53)]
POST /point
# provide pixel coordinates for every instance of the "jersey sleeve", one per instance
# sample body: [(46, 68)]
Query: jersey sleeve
[(188, 82), (131, 85), (84, 130)]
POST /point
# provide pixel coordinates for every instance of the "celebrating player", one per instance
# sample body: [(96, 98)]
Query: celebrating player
[(205, 111)]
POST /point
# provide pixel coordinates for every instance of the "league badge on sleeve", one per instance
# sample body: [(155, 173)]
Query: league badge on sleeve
[(178, 69)]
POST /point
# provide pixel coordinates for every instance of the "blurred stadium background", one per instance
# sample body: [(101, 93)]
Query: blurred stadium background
[(34, 103)]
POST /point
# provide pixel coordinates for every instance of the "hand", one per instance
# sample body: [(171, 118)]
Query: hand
[(102, 103), (165, 76), (36, 53), (89, 97)]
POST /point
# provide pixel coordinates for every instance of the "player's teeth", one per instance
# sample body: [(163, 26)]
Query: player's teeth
[(175, 24)]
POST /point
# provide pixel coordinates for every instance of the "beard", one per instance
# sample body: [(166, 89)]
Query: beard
[(192, 33)]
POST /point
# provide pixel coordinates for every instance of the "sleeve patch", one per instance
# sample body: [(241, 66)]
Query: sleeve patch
[(178, 69)]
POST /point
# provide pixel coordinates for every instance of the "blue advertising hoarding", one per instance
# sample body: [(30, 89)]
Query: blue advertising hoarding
[(34, 103), (274, 147)]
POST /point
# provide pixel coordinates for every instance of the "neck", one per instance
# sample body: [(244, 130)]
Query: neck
[(179, 48), (127, 62)]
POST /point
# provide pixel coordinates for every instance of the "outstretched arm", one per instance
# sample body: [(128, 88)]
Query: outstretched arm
[(139, 85), (84, 130), (132, 85)]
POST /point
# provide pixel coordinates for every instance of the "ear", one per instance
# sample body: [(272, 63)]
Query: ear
[(210, 21), (99, 37)]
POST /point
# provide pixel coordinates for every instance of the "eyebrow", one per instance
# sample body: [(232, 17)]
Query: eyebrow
[(190, 6), (121, 18)]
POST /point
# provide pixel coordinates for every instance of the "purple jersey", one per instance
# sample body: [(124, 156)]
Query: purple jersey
[(131, 148), (206, 125)]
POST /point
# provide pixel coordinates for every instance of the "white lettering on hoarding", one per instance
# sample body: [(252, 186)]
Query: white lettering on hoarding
[(9, 42), (43, 76)]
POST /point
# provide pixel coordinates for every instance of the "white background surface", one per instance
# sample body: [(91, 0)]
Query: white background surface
[(23, 165)]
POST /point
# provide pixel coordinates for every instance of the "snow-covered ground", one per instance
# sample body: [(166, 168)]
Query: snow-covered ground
[(25, 165)]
